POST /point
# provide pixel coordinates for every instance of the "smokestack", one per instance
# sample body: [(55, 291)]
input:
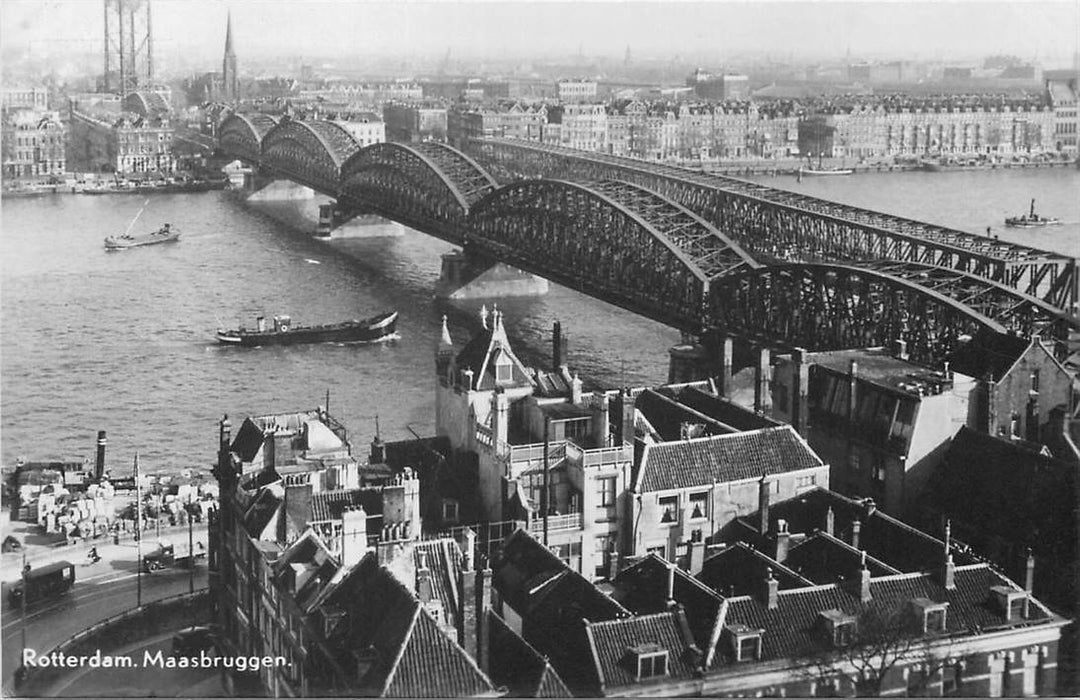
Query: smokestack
[(726, 351), (762, 398), (99, 465), (558, 348), (800, 417), (763, 505)]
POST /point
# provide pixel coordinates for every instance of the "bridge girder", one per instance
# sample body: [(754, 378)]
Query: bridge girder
[(589, 238), (418, 180), (241, 135), (786, 226), (311, 151), (823, 306)]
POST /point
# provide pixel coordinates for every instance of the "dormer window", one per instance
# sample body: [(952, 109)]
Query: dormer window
[(840, 628), (650, 660), (504, 370), (1011, 603), (930, 617), (745, 642)]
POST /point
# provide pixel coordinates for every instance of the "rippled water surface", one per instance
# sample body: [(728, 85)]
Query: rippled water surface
[(124, 341)]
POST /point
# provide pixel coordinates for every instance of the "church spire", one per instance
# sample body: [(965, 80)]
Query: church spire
[(228, 35), (230, 81)]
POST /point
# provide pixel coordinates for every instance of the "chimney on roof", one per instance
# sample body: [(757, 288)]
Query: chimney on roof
[(726, 352), (830, 521), (899, 349), (948, 571), (864, 580), (670, 584), (500, 428), (856, 531), (224, 433), (575, 390), (800, 417), (763, 504), (99, 465), (1029, 572), (770, 590), (626, 416), (602, 422), (783, 541), (762, 398), (424, 589), (474, 587)]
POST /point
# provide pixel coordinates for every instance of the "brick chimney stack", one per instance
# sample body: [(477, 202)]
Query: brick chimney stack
[(762, 397), (864, 580), (800, 408), (1029, 574), (763, 505), (771, 591), (99, 465), (726, 351)]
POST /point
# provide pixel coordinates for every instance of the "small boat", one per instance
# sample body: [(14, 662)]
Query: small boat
[(1031, 219), (377, 328), (826, 171), (165, 234)]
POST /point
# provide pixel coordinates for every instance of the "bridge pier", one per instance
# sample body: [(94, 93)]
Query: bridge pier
[(336, 221), (467, 277), (279, 190)]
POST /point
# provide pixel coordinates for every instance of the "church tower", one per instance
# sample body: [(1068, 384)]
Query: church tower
[(230, 81)]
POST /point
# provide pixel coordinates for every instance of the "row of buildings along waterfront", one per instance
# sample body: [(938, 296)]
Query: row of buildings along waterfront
[(707, 537)]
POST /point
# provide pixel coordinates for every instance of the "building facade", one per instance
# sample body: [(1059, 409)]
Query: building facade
[(126, 144), (34, 144)]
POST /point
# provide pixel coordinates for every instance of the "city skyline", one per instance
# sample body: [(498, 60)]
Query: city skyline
[(958, 31)]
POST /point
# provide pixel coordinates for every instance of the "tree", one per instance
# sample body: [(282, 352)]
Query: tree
[(860, 651)]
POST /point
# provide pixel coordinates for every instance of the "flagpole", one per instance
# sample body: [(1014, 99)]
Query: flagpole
[(138, 536)]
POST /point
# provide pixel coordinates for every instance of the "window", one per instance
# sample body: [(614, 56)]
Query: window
[(699, 504), (1035, 381), (806, 481), (934, 620), (669, 509), (504, 371), (843, 634), (607, 487), (449, 511), (651, 660), (879, 471), (854, 462), (950, 680)]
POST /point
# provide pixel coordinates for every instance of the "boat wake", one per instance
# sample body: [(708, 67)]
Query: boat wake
[(313, 262)]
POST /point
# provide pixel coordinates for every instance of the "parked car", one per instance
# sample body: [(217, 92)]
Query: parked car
[(192, 640)]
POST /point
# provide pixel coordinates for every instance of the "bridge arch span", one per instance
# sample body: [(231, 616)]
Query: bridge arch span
[(602, 239), (310, 151), (241, 135), (824, 306), (426, 186)]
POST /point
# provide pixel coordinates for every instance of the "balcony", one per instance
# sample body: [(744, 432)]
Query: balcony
[(597, 457), (571, 521)]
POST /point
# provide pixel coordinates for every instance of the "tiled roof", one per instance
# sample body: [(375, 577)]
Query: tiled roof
[(444, 561), (718, 408), (262, 511), (892, 541), (516, 665), (613, 640), (822, 558), (643, 588), (667, 416), (329, 505), (724, 458), (790, 628), (431, 665), (739, 570), (414, 658), (988, 353)]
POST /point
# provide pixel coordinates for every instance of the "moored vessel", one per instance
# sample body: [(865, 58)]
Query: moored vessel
[(374, 329)]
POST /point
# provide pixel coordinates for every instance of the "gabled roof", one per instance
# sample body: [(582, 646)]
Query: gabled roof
[(443, 559), (822, 558), (613, 641), (739, 569), (533, 581), (882, 536), (723, 458), (262, 511), (412, 657), (989, 354), (643, 588), (482, 353), (725, 411), (791, 631), (516, 665), (1006, 488), (330, 505)]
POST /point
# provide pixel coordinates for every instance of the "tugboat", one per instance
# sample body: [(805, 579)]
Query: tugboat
[(374, 329), (1031, 219), (165, 234)]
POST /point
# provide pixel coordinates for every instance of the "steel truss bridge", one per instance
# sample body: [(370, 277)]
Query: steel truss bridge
[(698, 252)]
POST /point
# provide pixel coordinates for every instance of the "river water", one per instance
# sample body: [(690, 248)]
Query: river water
[(123, 342)]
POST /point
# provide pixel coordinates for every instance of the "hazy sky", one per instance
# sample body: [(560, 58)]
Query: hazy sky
[(1047, 30)]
